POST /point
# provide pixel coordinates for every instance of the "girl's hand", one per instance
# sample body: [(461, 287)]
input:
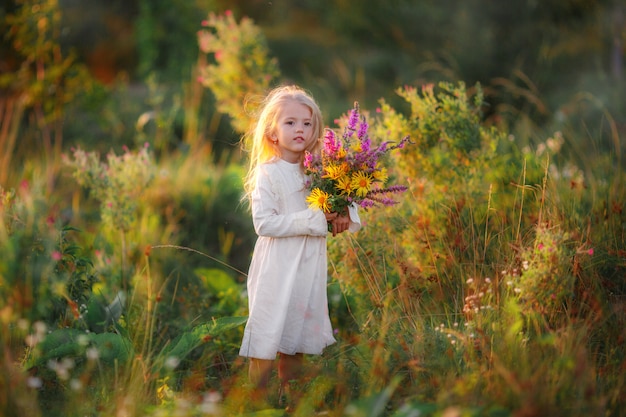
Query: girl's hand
[(340, 223), (330, 216)]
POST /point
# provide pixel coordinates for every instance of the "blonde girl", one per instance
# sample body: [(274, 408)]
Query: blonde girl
[(287, 300)]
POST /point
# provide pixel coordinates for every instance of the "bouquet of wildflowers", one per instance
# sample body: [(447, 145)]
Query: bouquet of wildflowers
[(348, 170)]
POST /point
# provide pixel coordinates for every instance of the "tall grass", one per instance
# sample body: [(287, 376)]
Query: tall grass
[(493, 309), (496, 287), (473, 296)]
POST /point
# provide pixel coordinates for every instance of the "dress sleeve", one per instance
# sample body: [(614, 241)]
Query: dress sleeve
[(355, 220), (270, 220)]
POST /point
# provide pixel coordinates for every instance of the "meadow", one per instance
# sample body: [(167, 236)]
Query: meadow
[(495, 287)]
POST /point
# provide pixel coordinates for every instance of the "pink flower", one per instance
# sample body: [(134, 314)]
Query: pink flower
[(540, 246), (590, 251), (331, 143), (57, 256), (228, 13), (308, 159)]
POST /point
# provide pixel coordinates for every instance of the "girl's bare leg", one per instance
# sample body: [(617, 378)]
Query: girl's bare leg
[(259, 374), (289, 369)]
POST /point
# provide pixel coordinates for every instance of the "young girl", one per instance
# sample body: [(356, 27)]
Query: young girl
[(288, 307)]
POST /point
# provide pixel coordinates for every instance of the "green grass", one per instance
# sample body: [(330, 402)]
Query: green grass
[(496, 287)]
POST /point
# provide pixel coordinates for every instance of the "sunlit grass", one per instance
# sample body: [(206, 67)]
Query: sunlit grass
[(474, 296)]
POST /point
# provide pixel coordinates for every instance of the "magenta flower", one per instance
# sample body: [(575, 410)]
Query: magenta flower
[(332, 144), (308, 159)]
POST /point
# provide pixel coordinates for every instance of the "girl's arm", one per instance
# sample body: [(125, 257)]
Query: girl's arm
[(269, 222)]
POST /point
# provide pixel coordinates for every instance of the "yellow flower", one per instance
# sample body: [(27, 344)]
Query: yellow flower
[(335, 172), (356, 146), (318, 199), (344, 184), (381, 175), (361, 183)]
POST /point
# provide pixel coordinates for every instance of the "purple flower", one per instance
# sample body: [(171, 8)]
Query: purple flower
[(367, 203), (362, 129), (403, 142), (382, 148), (354, 117), (308, 159), (385, 201), (396, 189), (366, 143)]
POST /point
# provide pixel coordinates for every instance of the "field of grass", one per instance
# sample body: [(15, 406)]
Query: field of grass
[(495, 287)]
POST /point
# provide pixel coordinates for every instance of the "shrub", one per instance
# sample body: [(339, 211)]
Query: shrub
[(241, 66)]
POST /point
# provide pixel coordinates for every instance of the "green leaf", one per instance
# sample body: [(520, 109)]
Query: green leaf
[(216, 279), (184, 344), (218, 326), (72, 343), (112, 347), (57, 344), (96, 315)]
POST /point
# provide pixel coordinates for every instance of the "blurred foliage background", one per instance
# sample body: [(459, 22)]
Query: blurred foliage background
[(120, 184), (538, 62)]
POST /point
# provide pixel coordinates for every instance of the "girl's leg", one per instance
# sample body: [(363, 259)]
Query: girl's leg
[(289, 369), (260, 372)]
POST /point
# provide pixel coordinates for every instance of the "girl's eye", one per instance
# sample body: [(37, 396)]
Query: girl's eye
[(307, 123)]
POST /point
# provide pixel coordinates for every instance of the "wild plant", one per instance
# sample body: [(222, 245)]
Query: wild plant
[(43, 83), (240, 67), (118, 184), (472, 291)]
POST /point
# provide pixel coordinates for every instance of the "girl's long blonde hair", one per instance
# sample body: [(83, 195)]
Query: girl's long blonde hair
[(258, 140)]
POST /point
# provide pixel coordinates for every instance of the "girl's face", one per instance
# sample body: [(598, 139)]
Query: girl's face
[(294, 131)]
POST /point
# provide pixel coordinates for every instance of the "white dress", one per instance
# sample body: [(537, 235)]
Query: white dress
[(288, 305)]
